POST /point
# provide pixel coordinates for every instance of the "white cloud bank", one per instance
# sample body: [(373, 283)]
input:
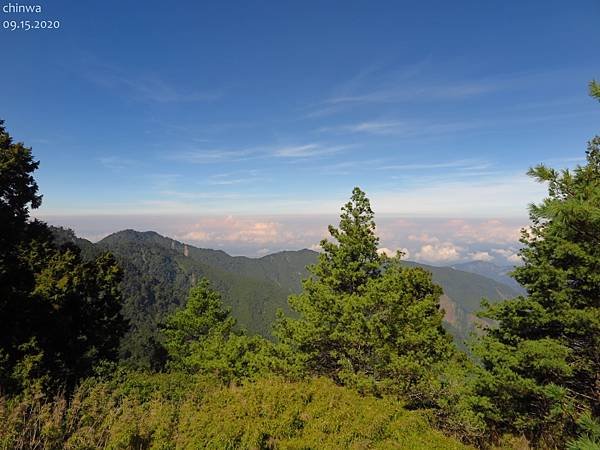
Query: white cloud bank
[(481, 256), (429, 240), (439, 253)]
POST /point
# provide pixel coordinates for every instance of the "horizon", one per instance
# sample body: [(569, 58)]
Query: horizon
[(429, 241), (515, 261), (245, 127)]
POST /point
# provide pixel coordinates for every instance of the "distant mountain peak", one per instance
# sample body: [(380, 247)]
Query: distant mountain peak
[(130, 233)]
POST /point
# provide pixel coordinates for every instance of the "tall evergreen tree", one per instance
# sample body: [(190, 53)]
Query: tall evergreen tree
[(363, 318), (18, 193), (541, 363), (59, 316)]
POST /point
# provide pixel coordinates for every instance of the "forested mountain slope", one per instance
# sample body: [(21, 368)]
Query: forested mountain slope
[(158, 272)]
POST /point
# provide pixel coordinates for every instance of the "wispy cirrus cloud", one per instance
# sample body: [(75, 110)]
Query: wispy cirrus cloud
[(235, 177), (303, 151), (404, 128), (394, 94), (118, 163), (308, 150), (208, 156), (143, 86), (461, 164), (347, 167), (433, 172), (366, 91), (420, 83), (361, 85)]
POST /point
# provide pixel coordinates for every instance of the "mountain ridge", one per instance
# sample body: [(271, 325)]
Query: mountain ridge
[(159, 270)]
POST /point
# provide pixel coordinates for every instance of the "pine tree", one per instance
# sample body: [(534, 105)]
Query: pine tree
[(346, 264), (541, 363), (363, 318), (60, 316), (200, 339), (202, 319)]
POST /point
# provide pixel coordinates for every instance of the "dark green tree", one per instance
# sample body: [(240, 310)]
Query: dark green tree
[(541, 363), (83, 323), (203, 318), (18, 189), (59, 316), (363, 318), (23, 244), (200, 339)]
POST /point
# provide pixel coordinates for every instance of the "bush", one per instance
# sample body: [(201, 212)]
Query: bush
[(182, 411)]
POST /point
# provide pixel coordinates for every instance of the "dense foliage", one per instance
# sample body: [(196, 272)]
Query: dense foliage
[(541, 363), (200, 339), (60, 315), (159, 272), (363, 318), (180, 411)]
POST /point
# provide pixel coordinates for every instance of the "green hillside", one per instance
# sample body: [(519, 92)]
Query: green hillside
[(158, 272), (157, 278), (285, 269)]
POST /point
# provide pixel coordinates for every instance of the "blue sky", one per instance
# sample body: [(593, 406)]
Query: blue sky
[(154, 113)]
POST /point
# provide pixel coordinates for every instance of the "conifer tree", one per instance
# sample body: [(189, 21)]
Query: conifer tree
[(363, 318), (347, 263), (541, 363), (188, 329), (59, 316), (200, 339)]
